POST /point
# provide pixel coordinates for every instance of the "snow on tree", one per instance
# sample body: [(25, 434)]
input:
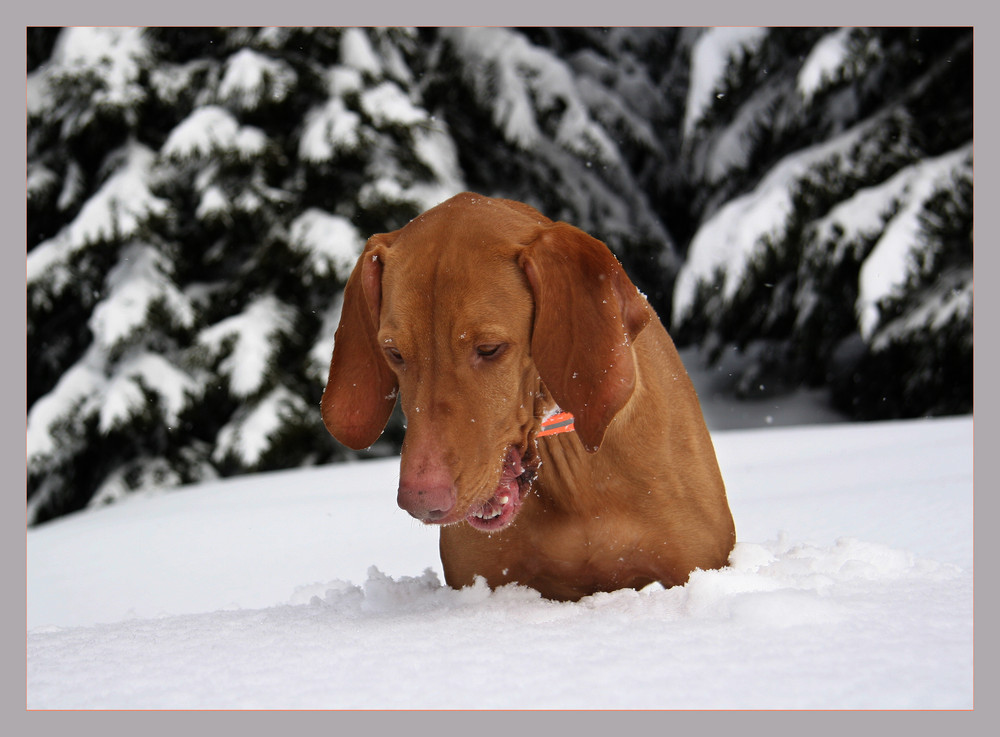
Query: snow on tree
[(804, 259), (329, 243), (562, 134), (716, 49), (249, 78), (196, 198), (138, 283), (825, 65), (247, 345), (742, 232)]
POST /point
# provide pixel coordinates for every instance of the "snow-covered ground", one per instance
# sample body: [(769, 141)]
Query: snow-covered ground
[(850, 587)]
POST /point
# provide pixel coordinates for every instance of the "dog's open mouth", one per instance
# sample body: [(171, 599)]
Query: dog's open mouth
[(500, 509)]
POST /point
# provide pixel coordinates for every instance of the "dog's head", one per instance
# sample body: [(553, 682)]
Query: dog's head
[(478, 314)]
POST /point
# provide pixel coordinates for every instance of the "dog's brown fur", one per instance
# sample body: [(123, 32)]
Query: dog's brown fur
[(632, 497)]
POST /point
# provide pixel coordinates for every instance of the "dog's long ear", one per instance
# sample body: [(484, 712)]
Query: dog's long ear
[(587, 313), (361, 390)]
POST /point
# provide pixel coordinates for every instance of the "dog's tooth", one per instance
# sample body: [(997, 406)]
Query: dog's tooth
[(504, 499)]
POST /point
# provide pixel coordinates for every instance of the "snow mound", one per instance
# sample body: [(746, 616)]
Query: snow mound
[(774, 584), (396, 642), (850, 587)]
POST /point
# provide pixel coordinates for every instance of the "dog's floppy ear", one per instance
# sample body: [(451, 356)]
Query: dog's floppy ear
[(361, 390), (587, 313)]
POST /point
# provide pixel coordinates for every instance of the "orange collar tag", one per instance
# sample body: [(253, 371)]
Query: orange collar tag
[(558, 423)]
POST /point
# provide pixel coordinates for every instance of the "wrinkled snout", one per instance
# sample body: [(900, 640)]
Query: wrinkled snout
[(427, 494)]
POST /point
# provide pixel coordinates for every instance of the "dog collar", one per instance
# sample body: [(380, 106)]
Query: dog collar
[(557, 423)]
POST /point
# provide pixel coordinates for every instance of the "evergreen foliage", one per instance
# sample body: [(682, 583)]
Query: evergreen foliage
[(196, 198), (822, 239)]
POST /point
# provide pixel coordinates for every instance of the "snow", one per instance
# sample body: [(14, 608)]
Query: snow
[(611, 110), (47, 264), (387, 105), (122, 399), (950, 299), (74, 388), (124, 396), (824, 63), (343, 81), (709, 59), (331, 242), (213, 204), (434, 146), (513, 114), (73, 186), (40, 178), (889, 263), (87, 390), (886, 218), (250, 75), (254, 346), (717, 383), (212, 130), (863, 215), (143, 473), (119, 54), (318, 364), (422, 194), (329, 130), (137, 281), (122, 203), (251, 434), (517, 78), (356, 52), (850, 587), (729, 240), (733, 146), (333, 128), (114, 213)]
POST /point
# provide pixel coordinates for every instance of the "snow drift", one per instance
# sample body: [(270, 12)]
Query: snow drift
[(850, 587)]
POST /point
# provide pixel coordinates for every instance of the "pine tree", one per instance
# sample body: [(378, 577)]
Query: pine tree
[(571, 130), (181, 310), (844, 146)]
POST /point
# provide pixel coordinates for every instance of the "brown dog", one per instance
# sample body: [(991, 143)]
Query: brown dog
[(487, 318)]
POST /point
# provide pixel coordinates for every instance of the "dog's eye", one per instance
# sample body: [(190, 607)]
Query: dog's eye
[(490, 351), (394, 355)]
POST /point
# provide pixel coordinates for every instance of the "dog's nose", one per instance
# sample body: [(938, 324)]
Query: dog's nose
[(426, 500)]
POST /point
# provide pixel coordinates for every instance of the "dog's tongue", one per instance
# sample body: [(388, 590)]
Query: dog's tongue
[(498, 511)]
